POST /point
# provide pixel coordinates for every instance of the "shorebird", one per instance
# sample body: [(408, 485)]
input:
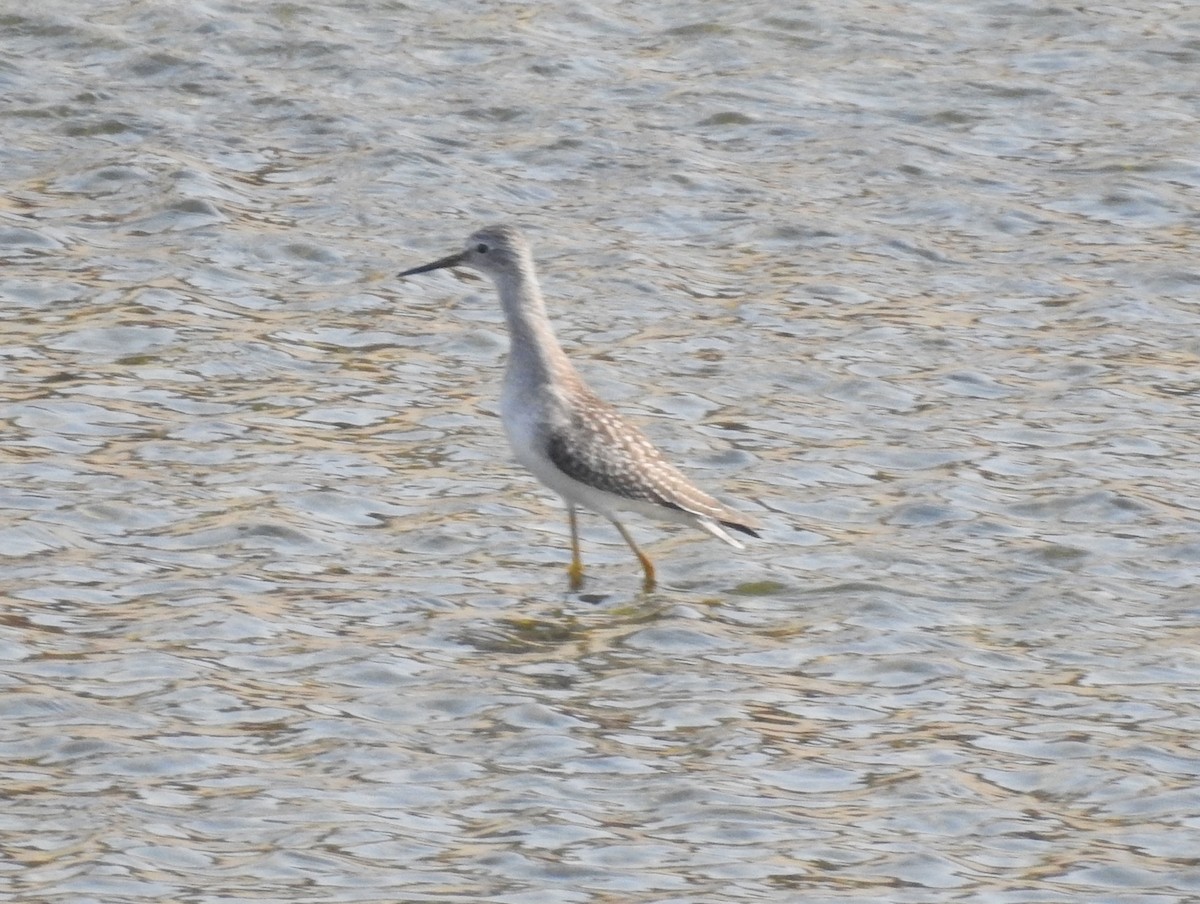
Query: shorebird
[(573, 441)]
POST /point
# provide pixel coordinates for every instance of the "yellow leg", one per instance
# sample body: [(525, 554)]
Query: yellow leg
[(649, 581), (575, 571)]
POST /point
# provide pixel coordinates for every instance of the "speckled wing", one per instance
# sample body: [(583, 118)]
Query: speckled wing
[(606, 452)]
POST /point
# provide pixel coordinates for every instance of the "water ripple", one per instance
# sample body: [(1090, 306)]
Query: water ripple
[(283, 622)]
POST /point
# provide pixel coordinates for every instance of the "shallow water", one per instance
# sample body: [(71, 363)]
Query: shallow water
[(916, 285)]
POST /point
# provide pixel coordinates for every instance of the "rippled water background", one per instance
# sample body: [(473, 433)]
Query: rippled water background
[(918, 283)]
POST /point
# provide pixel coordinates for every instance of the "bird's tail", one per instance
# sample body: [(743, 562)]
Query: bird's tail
[(717, 529)]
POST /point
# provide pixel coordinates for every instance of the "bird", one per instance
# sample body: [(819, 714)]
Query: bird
[(573, 441)]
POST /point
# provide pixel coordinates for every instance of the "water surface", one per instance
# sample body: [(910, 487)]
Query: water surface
[(916, 285)]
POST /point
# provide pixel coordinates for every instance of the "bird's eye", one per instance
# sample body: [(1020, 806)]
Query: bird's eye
[(482, 248)]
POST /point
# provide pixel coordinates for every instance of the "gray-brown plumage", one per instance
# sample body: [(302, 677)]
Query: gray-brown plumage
[(573, 441), (604, 451)]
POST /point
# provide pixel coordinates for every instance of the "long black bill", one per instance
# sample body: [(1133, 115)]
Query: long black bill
[(452, 261)]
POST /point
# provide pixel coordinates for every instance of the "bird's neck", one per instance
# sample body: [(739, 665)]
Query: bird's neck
[(534, 352)]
